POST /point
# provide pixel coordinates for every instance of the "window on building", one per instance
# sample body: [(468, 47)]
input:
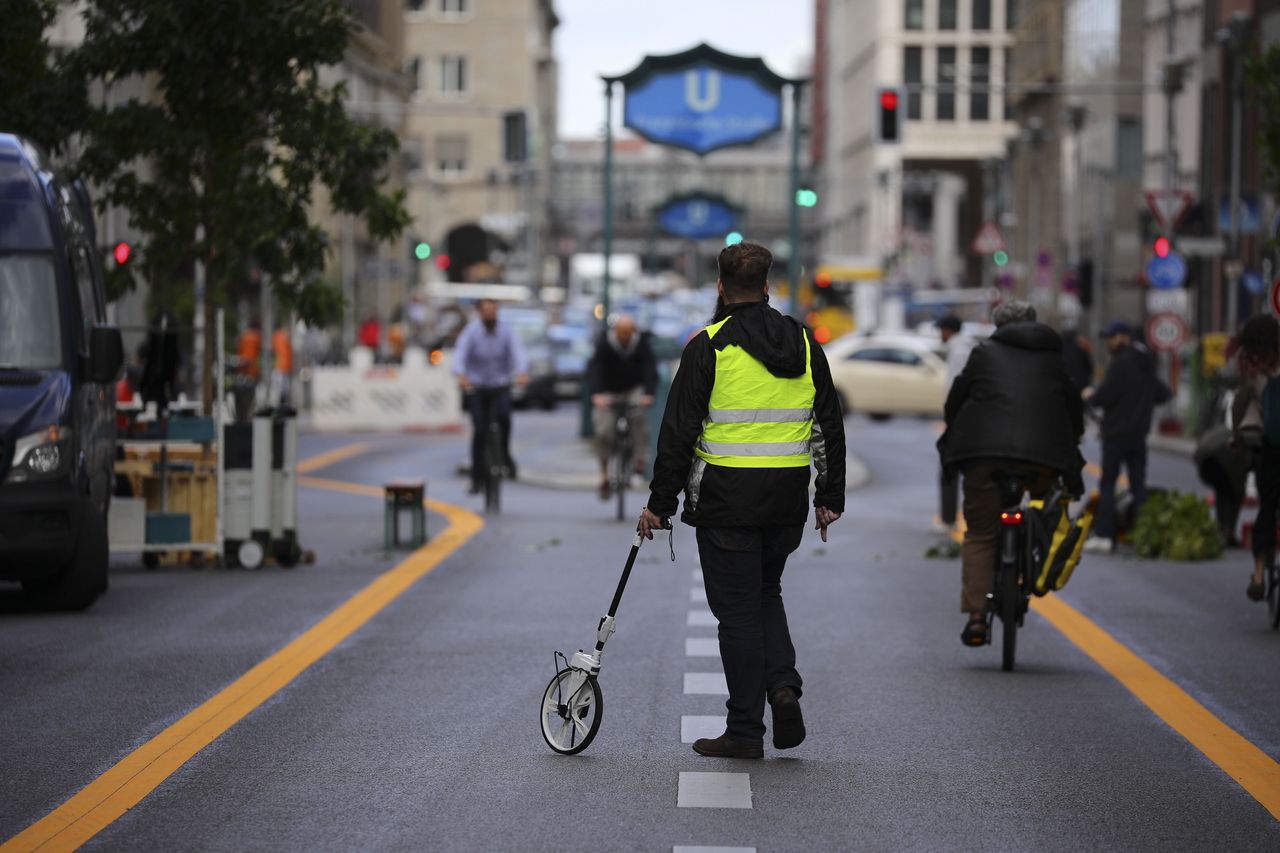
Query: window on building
[(915, 15), (913, 76), (946, 84), (413, 70), (1011, 15), (415, 5), (981, 15), (1008, 78), (451, 154), (980, 78), (946, 14), (1129, 148), (452, 79), (454, 8)]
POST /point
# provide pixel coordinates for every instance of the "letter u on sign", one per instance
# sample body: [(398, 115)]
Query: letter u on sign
[(705, 97)]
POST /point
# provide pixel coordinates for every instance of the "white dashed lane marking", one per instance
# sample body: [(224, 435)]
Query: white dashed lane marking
[(701, 647), (705, 684), (714, 791), (701, 619), (692, 728)]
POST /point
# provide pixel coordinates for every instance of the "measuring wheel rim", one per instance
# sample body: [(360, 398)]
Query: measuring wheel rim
[(571, 710)]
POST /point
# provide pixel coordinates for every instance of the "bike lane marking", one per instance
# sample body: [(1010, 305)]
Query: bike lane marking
[(107, 798), (1249, 766), (331, 457)]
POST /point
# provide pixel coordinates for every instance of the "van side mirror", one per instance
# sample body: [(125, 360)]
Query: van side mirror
[(106, 354)]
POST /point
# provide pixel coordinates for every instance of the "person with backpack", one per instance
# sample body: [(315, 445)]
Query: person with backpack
[(1255, 417), (1127, 395)]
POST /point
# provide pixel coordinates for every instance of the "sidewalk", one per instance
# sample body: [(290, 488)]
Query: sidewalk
[(570, 463)]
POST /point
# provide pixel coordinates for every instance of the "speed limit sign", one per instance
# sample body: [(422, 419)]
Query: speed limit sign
[(1166, 332)]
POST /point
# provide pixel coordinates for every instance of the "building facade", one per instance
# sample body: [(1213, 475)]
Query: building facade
[(480, 131), (914, 204)]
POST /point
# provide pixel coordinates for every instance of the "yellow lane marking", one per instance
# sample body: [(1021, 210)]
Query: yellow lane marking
[(331, 457), (140, 772), (1252, 768)]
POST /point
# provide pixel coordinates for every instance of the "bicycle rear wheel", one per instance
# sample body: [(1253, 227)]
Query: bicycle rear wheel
[(621, 475), (1010, 594), (1273, 593)]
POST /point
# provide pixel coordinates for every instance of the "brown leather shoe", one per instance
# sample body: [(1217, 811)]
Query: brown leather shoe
[(728, 746), (788, 722)]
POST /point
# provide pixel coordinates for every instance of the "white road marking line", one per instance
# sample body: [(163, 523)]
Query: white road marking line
[(705, 684), (685, 848), (697, 574), (692, 728), (701, 647), (697, 595), (701, 619), (714, 791)]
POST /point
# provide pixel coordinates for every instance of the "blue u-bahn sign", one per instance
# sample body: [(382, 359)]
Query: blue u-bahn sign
[(702, 99), (697, 216)]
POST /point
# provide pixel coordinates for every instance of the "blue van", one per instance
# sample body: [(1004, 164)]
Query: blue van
[(58, 365)]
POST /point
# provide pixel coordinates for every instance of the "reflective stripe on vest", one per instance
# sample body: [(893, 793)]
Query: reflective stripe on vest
[(756, 419)]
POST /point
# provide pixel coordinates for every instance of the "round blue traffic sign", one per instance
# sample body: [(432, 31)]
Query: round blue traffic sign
[(1168, 272)]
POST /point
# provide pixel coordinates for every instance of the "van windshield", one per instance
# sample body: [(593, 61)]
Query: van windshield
[(30, 331)]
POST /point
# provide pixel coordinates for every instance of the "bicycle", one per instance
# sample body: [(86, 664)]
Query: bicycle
[(1272, 581), (622, 452), (1010, 596), (494, 468)]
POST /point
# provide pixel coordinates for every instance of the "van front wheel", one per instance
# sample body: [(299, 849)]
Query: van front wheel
[(85, 576)]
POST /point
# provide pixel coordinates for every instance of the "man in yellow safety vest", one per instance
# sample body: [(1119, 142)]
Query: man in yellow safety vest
[(751, 407)]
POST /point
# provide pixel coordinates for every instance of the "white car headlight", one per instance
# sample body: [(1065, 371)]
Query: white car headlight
[(39, 455)]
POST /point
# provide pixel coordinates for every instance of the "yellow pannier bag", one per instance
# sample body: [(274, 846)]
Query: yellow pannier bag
[(1065, 545)]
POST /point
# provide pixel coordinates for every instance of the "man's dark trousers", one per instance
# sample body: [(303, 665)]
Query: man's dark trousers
[(1132, 453), (742, 570), (484, 404)]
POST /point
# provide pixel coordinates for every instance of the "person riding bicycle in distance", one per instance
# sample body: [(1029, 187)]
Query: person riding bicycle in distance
[(1013, 409), (622, 368), (486, 358)]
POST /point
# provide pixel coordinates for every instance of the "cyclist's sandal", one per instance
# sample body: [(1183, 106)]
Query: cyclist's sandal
[(975, 633), (1256, 591)]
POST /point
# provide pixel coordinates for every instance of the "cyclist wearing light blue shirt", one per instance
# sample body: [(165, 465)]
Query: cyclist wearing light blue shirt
[(486, 358)]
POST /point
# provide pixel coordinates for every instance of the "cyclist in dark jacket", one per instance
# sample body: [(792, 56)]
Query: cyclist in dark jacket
[(622, 368), (1013, 408)]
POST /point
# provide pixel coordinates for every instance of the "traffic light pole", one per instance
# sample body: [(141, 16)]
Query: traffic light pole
[(793, 219), (585, 427)]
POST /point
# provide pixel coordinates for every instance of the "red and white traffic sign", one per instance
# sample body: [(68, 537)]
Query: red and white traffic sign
[(1273, 298), (1166, 332), (989, 240), (1168, 206)]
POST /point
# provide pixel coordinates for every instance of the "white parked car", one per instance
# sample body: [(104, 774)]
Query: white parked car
[(889, 374)]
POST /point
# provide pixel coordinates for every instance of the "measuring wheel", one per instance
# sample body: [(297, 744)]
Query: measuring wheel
[(572, 708)]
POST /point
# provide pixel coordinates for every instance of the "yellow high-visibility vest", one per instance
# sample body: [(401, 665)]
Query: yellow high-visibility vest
[(756, 419)]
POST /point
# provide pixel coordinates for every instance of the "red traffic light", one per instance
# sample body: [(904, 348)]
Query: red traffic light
[(442, 262), (1162, 247), (888, 100), (122, 253), (822, 279)]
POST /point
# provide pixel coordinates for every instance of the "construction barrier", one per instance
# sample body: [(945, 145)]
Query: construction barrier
[(361, 395)]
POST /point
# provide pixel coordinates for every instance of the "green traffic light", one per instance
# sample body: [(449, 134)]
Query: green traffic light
[(422, 251), (806, 198), (1000, 258), (733, 238)]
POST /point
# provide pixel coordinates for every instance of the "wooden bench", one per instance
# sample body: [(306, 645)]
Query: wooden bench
[(399, 496)]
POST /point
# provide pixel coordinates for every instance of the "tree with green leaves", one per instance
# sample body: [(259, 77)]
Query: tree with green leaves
[(222, 162), (38, 99)]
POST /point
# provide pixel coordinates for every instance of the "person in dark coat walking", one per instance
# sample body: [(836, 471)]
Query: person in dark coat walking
[(1014, 408), (1077, 355), (1127, 395), (623, 368), (752, 407)]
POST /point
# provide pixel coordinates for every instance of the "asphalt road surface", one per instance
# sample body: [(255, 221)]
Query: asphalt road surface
[(408, 719)]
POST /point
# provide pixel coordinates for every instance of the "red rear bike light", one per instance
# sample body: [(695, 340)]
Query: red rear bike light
[(1011, 518)]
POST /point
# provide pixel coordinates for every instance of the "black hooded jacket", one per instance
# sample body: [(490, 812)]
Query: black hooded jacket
[(1015, 401), (718, 496), (1128, 394)]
